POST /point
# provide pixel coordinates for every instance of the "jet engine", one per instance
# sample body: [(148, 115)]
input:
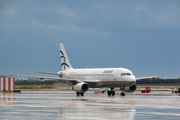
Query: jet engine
[(81, 87), (130, 88)]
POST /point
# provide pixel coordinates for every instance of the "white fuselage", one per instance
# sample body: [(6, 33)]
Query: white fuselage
[(104, 77), (83, 79)]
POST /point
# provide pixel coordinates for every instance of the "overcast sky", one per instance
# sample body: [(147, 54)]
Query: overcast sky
[(141, 35)]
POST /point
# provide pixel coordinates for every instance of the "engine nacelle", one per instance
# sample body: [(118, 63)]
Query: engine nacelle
[(130, 88), (81, 87)]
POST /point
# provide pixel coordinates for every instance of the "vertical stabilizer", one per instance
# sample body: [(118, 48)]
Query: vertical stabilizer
[(65, 64)]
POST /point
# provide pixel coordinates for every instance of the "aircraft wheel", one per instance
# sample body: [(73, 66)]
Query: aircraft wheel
[(82, 94), (122, 94), (77, 93), (113, 93), (109, 93)]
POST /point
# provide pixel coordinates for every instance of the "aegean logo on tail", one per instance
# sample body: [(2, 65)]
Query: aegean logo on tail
[(64, 63)]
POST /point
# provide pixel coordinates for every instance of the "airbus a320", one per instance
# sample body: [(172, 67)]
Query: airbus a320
[(83, 79)]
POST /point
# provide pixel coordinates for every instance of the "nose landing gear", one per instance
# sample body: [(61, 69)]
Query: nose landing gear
[(122, 93)]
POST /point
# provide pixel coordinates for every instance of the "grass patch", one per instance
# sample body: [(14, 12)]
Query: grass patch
[(34, 87)]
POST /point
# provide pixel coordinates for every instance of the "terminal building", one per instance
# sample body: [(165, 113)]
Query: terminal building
[(7, 82)]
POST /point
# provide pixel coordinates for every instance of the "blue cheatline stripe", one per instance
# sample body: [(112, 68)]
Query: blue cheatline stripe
[(61, 52)]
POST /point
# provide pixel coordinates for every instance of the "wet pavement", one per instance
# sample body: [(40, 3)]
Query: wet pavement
[(65, 105)]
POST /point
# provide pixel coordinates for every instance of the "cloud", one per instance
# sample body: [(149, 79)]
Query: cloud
[(106, 35), (62, 9), (157, 16), (31, 24), (45, 26), (8, 12), (12, 11), (136, 25)]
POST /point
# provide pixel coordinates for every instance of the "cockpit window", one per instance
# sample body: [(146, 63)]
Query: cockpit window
[(126, 74), (122, 74)]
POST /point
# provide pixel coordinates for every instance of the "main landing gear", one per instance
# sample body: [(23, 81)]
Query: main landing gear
[(80, 93), (111, 92), (122, 93)]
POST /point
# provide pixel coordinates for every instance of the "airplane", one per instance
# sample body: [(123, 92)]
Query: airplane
[(83, 79)]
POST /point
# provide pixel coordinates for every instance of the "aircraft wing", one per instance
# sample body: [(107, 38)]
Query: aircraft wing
[(145, 77), (61, 79), (51, 78)]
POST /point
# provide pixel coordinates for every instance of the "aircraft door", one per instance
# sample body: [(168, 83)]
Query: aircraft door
[(94, 76), (115, 75)]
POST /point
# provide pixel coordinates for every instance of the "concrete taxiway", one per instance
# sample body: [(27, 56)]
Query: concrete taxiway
[(65, 105)]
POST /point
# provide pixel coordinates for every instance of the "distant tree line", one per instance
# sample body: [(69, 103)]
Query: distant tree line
[(160, 81)]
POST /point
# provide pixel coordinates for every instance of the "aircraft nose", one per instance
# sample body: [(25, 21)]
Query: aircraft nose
[(134, 78)]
